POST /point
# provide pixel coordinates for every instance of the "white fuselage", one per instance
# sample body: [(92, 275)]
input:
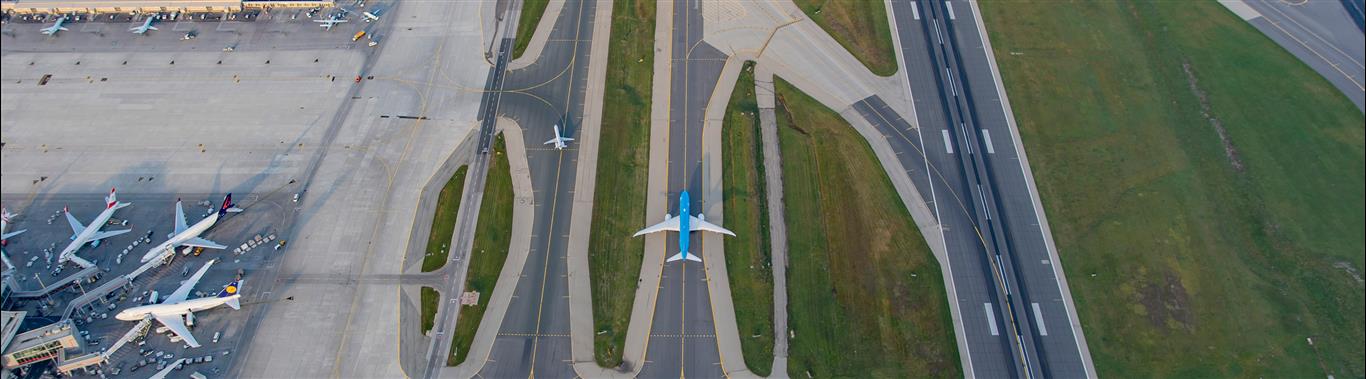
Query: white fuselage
[(181, 308), (178, 240), (84, 237)]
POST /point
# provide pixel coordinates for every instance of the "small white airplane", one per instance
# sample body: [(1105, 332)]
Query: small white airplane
[(371, 16), (5, 219), (56, 27), (559, 141), (146, 25), (187, 235), (684, 224), (330, 22), (176, 311), (83, 234)]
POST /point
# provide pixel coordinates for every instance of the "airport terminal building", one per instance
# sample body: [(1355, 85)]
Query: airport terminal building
[(150, 6)]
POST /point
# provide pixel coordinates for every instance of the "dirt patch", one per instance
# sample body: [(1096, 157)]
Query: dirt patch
[(1167, 303), (1229, 150)]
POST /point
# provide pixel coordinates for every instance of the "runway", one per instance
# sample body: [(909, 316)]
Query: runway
[(964, 160), (682, 339), (1326, 35)]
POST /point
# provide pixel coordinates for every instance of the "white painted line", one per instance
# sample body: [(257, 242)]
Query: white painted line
[(986, 137), (1038, 319), (983, 195), (991, 319), (937, 36), (1241, 9), (948, 144), (950, 7), (952, 87), (915, 12)]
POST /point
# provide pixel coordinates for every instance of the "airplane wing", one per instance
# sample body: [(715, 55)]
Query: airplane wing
[(552, 140), (177, 326), (200, 242), (699, 224), (14, 233), (669, 224), (184, 291), (180, 224), (566, 139), (107, 234), (76, 226)]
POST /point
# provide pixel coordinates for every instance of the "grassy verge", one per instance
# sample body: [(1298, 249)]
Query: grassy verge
[(866, 297), (623, 166), (861, 26), (429, 299), (443, 223), (1205, 188), (492, 237), (532, 10), (747, 254)]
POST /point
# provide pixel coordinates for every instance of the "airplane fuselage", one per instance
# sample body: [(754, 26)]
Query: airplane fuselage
[(83, 237), (684, 224), (181, 308), (179, 239)]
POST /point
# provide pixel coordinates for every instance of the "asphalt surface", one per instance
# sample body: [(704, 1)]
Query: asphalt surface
[(1326, 35), (962, 159), (534, 338), (682, 334)]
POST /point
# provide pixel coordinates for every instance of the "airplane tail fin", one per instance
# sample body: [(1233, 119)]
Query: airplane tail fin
[(227, 204), (230, 290), (681, 256), (235, 303), (112, 199), (152, 28)]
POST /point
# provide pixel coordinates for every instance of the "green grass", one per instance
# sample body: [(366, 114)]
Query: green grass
[(492, 238), (1180, 264), (443, 223), (866, 295), (861, 26), (623, 166), (747, 255), (532, 10), (429, 299)]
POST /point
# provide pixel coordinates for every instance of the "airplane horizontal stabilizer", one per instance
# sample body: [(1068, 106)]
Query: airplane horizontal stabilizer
[(680, 256)]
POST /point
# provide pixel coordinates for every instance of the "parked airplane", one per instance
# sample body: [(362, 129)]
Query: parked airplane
[(5, 219), (175, 312), (146, 25), (684, 224), (186, 235), (371, 16), (559, 141), (82, 234), (330, 22), (56, 27)]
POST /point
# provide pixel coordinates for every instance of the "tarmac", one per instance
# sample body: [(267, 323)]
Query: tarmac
[(1322, 34)]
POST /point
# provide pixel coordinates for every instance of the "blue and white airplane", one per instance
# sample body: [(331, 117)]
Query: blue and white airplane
[(56, 27), (684, 224), (146, 25)]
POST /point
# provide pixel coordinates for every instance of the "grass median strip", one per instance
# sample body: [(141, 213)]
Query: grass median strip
[(443, 223), (1204, 187), (623, 166), (492, 238), (861, 26), (532, 10), (866, 294), (429, 302), (747, 254)]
